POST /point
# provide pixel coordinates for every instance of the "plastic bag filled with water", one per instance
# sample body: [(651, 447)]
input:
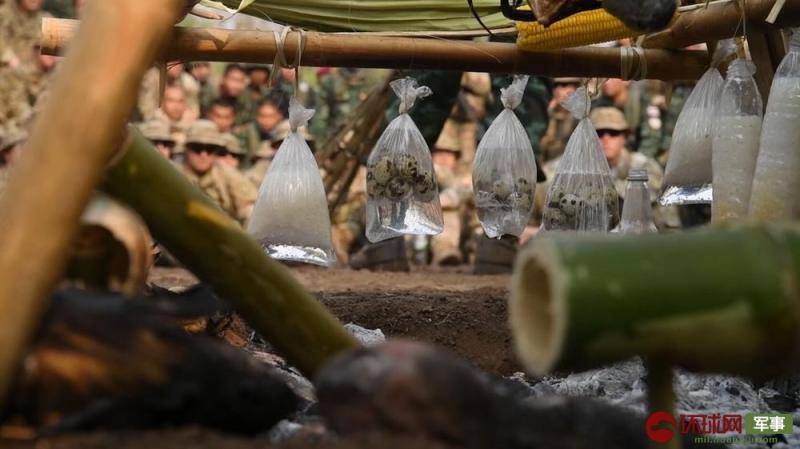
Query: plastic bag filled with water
[(582, 197), (776, 183), (737, 132), (688, 176), (290, 218), (504, 174), (403, 196)]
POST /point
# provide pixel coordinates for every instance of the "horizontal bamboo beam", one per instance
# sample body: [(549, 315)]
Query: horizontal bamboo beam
[(722, 20), (352, 50)]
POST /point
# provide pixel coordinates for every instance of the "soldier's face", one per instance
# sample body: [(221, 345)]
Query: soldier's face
[(174, 104), (30, 5), (199, 162), (201, 72), (259, 77), (613, 144), (269, 117), (234, 83), (223, 117)]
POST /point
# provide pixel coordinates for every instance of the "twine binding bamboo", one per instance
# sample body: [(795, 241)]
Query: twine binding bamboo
[(280, 55), (630, 69)]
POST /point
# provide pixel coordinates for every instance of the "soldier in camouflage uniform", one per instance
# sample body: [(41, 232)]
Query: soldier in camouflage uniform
[(270, 113), (613, 129), (261, 160), (20, 30), (149, 93), (11, 143), (173, 113), (644, 106), (340, 91), (562, 122), (208, 87), (158, 132), (224, 185), (233, 89)]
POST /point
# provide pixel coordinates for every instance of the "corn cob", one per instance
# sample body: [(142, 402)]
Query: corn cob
[(583, 28)]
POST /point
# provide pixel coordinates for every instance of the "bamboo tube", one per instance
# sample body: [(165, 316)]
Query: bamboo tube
[(722, 20), (349, 50), (723, 300), (74, 137), (219, 252)]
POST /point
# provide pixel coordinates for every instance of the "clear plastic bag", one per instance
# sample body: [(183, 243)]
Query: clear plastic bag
[(776, 182), (582, 196), (504, 174), (403, 195), (736, 139), (290, 218), (688, 176)]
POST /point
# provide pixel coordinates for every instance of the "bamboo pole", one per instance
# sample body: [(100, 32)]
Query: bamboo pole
[(723, 300), (351, 50), (219, 252), (73, 139), (722, 20)]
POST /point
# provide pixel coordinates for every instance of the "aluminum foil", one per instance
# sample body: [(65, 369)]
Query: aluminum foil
[(683, 195)]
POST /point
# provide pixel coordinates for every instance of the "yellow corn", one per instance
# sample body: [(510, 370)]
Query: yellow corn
[(583, 28)]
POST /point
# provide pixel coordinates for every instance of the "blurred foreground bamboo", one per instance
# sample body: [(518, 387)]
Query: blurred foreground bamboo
[(74, 137), (219, 252), (717, 301)]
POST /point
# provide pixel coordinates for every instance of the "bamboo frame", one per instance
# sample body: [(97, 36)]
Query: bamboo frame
[(351, 50), (74, 137)]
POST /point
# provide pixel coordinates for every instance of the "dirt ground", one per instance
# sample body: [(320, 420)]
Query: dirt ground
[(459, 311)]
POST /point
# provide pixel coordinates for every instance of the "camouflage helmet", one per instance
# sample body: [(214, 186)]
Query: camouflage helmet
[(204, 132), (232, 144), (156, 130), (265, 150), (609, 118)]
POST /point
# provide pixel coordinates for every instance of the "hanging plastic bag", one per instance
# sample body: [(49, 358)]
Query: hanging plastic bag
[(736, 139), (290, 218), (504, 174), (688, 176), (776, 184), (403, 196), (582, 196)]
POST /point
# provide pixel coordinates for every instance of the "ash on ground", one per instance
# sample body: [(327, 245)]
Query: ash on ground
[(624, 385)]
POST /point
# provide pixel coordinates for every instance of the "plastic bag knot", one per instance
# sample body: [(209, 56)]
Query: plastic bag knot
[(511, 96), (408, 91)]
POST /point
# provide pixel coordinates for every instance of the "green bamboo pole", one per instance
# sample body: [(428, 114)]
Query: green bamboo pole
[(721, 300), (219, 252), (71, 143)]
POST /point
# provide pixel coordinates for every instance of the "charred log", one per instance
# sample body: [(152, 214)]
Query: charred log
[(101, 361)]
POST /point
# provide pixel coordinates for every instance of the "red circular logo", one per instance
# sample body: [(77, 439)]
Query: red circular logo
[(657, 429)]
